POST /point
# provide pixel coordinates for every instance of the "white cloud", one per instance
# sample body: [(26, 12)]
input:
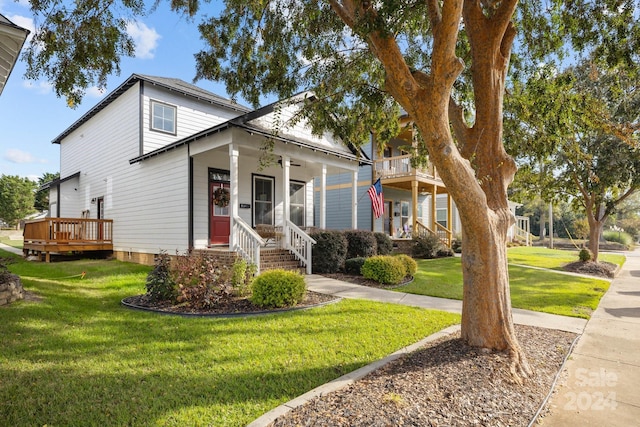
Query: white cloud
[(41, 87), (145, 38), (24, 22), (14, 155), (95, 92)]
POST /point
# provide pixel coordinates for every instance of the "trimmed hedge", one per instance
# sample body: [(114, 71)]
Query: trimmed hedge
[(361, 244), (330, 251), (278, 288), (385, 269), (354, 265), (385, 245), (410, 265)]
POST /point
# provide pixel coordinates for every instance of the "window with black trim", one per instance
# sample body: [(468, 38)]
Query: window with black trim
[(297, 198), (263, 199), (163, 117)]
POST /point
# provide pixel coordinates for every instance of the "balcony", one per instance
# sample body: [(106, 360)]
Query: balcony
[(399, 168), (62, 235)]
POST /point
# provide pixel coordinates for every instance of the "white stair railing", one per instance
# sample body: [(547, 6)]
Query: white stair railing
[(247, 242), (298, 243)]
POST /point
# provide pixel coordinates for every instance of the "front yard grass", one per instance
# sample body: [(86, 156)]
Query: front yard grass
[(78, 358), (531, 289)]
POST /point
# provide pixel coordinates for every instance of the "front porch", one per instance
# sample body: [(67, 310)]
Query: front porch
[(63, 235)]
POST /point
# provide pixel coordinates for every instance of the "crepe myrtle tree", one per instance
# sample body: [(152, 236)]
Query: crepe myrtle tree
[(363, 61)]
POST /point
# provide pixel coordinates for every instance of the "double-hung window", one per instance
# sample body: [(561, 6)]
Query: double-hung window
[(163, 117)]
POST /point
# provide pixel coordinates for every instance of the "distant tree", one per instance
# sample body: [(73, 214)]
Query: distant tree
[(42, 195), (16, 198)]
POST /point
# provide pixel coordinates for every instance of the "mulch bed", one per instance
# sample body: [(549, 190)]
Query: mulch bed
[(599, 269), (446, 383), (229, 307)]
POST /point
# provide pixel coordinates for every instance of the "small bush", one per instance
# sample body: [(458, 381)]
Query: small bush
[(361, 243), (619, 237), (410, 265), (353, 265), (385, 269), (329, 252), (385, 245), (160, 286), (241, 276), (444, 252), (585, 255), (278, 288), (426, 246), (456, 245), (201, 280)]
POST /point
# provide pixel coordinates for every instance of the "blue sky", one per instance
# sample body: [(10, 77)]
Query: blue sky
[(31, 115)]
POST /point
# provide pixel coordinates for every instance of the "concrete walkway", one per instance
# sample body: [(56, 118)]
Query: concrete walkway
[(11, 249), (600, 385)]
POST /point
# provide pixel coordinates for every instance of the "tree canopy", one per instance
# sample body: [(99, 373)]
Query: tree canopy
[(16, 198)]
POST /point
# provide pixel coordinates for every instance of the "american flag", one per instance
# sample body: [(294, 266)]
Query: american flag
[(377, 199)]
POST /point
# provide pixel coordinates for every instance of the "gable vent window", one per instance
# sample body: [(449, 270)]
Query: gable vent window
[(163, 117)]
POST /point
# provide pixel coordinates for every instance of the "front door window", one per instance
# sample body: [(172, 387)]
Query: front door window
[(296, 203)]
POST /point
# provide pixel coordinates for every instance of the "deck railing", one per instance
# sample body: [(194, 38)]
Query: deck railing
[(444, 234), (400, 166), (69, 230)]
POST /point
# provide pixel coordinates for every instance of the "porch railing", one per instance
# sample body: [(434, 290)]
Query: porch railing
[(444, 234), (522, 230), (298, 243), (247, 242), (69, 230), (400, 166)]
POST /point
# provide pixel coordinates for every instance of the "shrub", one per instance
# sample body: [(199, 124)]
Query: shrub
[(385, 269), (456, 245), (385, 245), (160, 286), (619, 237), (329, 252), (353, 265), (201, 280), (444, 252), (278, 288), (426, 246), (585, 255), (361, 243), (241, 276), (410, 265)]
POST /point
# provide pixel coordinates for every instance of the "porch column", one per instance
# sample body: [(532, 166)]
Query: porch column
[(286, 196), (233, 170), (449, 213), (434, 195), (354, 200), (323, 198), (414, 203)]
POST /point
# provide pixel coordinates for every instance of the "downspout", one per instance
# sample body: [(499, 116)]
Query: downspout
[(190, 202)]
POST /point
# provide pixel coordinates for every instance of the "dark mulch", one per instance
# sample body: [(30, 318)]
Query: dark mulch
[(230, 306), (446, 383), (599, 269)]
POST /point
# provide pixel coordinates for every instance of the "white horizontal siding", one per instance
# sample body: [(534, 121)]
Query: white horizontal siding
[(192, 117)]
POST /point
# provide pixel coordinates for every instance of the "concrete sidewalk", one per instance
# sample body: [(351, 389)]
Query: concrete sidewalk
[(600, 385), (11, 249)]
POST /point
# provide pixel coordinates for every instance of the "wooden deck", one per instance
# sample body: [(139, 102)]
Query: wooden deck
[(63, 235)]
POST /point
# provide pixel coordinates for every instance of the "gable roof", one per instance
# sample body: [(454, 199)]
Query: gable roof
[(172, 84), (249, 123), (12, 38)]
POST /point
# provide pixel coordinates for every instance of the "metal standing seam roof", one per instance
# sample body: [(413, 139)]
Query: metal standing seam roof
[(171, 84)]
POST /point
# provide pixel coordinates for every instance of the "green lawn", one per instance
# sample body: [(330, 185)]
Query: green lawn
[(78, 358), (531, 289), (11, 242), (553, 258)]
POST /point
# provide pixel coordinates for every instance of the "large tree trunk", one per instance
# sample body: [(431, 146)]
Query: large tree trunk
[(479, 190), (595, 231)]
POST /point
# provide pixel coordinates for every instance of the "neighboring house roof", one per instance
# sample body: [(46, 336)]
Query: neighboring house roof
[(172, 84), (250, 122), (12, 38)]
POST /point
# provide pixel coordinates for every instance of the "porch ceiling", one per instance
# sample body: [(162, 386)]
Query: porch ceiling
[(424, 186)]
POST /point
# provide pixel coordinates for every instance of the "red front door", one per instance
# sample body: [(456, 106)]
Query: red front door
[(219, 199)]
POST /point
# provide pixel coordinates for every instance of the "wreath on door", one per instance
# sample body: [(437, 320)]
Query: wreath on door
[(221, 197)]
